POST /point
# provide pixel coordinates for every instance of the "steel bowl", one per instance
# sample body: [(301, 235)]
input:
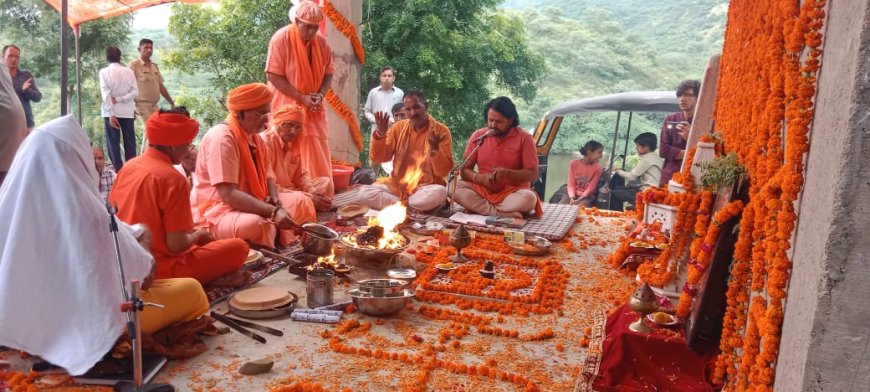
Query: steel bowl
[(318, 239), (383, 287), (380, 306)]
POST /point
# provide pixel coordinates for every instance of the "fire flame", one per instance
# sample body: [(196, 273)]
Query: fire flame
[(412, 176), (389, 218), (324, 262)]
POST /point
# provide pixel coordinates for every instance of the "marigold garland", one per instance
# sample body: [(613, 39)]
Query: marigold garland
[(346, 28), (347, 115), (701, 250), (765, 83)]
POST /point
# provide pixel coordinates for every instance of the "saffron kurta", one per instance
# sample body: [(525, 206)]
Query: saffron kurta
[(282, 60), (295, 186), (219, 162), (150, 191), (408, 150)]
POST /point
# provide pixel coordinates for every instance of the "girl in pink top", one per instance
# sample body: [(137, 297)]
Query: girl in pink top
[(583, 174)]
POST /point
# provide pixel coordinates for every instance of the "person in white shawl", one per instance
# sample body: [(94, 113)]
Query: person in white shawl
[(59, 283)]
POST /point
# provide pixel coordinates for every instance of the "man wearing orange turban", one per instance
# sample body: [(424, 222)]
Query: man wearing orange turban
[(299, 67), (150, 191), (232, 197), (300, 194)]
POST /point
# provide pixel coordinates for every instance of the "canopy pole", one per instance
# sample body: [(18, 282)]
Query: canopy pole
[(627, 136), (64, 61), (77, 32)]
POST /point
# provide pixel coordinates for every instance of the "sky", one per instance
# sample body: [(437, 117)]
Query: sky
[(156, 17)]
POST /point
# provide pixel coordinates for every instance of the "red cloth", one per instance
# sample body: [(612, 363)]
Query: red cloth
[(150, 191), (170, 129), (659, 361)]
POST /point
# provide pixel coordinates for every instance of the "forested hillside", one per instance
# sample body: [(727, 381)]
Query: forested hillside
[(588, 47), (596, 47)]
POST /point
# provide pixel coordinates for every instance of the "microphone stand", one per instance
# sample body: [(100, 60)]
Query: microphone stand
[(455, 172), (132, 305)]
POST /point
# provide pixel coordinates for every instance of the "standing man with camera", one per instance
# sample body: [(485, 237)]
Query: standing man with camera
[(675, 130)]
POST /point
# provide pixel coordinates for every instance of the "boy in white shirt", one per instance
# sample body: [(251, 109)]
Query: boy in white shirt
[(648, 169)]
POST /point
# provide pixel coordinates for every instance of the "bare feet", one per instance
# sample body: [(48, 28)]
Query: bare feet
[(232, 279)]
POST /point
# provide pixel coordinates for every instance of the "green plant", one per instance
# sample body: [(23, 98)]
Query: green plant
[(722, 172)]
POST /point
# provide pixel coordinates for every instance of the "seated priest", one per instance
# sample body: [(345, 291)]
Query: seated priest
[(507, 163), (60, 296), (421, 150), (152, 192), (301, 195), (232, 197)]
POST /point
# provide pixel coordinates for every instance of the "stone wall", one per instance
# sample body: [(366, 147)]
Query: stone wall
[(826, 334)]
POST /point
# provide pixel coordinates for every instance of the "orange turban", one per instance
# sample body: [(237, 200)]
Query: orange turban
[(170, 129), (309, 12), (249, 96), (289, 113)]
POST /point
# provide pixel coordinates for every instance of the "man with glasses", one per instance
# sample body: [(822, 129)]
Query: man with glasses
[(232, 197), (299, 66), (25, 86), (151, 192)]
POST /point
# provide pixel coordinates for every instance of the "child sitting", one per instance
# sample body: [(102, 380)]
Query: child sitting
[(583, 175), (648, 169)]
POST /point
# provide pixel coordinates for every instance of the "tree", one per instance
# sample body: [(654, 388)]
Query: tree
[(452, 50), (227, 45), (456, 51), (34, 26)]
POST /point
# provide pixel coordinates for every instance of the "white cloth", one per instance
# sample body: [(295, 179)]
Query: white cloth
[(13, 126), (426, 198), (649, 169), (59, 282), (118, 81)]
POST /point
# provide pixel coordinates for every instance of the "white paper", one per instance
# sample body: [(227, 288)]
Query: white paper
[(462, 217)]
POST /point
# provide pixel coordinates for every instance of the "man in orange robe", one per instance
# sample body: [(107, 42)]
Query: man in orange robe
[(232, 197), (299, 67), (421, 150), (300, 194), (150, 191), (507, 163)]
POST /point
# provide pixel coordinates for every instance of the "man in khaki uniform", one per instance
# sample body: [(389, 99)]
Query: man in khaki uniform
[(150, 83)]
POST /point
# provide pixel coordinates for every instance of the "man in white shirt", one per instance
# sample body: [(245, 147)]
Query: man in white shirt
[(648, 169), (382, 99), (119, 89)]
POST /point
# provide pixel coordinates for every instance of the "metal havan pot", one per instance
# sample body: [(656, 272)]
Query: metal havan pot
[(318, 239)]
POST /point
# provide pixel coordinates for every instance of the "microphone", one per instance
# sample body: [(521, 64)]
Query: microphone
[(488, 133)]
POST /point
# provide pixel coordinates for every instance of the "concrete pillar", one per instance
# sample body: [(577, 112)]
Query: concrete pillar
[(345, 81), (826, 333)]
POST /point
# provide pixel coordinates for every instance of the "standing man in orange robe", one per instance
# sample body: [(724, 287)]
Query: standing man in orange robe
[(150, 191), (300, 194), (299, 67), (232, 197)]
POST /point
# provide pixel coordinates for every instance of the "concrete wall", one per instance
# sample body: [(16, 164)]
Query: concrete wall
[(826, 335), (345, 81)]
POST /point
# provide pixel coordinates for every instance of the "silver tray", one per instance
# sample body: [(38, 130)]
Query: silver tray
[(264, 314)]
